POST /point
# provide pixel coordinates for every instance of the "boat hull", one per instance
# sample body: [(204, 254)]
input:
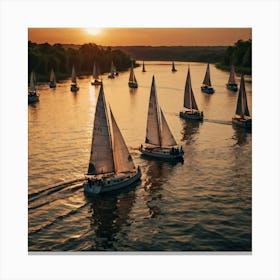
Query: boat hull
[(241, 122), (96, 83), (94, 187), (188, 115), (232, 87), (52, 85), (111, 76), (163, 154), (33, 99), (133, 85), (74, 88), (207, 89)]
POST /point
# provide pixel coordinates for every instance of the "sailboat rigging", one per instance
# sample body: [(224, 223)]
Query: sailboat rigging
[(242, 115), (74, 85), (33, 97), (206, 84), (52, 83), (132, 82), (232, 85), (191, 111), (160, 142), (111, 166)]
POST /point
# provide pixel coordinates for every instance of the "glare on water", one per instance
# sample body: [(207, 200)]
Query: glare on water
[(203, 204)]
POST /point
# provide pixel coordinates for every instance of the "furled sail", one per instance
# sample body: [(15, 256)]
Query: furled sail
[(74, 81), (132, 78), (231, 79), (167, 138), (207, 80), (189, 100), (101, 156), (52, 77), (122, 159), (242, 106), (153, 122)]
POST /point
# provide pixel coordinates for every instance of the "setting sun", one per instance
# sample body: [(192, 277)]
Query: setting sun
[(93, 31)]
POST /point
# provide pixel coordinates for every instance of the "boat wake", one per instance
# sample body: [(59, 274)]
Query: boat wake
[(218, 121)]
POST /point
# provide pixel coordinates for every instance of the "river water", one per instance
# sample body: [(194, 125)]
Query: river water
[(203, 204)]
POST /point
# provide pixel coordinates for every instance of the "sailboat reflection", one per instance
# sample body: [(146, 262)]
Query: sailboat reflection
[(109, 214), (190, 129)]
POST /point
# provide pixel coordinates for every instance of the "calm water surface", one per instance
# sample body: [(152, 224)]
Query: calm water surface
[(203, 204)]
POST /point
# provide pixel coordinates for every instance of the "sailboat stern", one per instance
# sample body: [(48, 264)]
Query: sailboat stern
[(192, 115)]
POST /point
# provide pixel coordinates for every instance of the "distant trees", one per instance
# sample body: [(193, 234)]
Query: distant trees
[(240, 55), (43, 57)]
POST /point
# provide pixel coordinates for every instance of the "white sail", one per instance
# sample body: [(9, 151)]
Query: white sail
[(94, 72), (167, 138), (153, 122), (101, 157), (122, 159), (173, 66), (207, 80), (231, 79), (132, 78), (74, 81), (242, 106), (32, 82), (189, 100), (112, 68)]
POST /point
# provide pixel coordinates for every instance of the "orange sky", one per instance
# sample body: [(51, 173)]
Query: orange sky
[(142, 36)]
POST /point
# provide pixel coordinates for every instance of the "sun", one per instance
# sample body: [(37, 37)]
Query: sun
[(93, 31)]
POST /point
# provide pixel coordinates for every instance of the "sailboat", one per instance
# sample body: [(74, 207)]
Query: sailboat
[(160, 142), (132, 82), (143, 67), (242, 116), (33, 97), (232, 85), (95, 75), (74, 85), (173, 67), (112, 71), (206, 84), (52, 83), (191, 111), (111, 166)]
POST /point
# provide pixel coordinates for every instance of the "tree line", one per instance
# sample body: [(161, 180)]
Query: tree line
[(43, 57), (240, 55)]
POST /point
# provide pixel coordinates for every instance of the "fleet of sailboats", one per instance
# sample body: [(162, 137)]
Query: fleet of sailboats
[(160, 142), (191, 111), (52, 83), (74, 85), (242, 116), (206, 84), (33, 97), (232, 85), (95, 75), (111, 166), (132, 82)]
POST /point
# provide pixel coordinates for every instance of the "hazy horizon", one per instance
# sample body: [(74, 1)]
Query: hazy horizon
[(148, 37)]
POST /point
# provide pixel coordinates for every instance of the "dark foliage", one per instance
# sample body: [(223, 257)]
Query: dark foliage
[(240, 55), (43, 57)]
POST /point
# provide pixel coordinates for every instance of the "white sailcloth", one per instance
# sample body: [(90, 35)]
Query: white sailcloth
[(95, 72), (153, 123), (167, 138), (207, 80), (74, 81), (32, 82), (101, 157), (52, 77), (132, 78), (242, 106), (122, 159), (189, 100), (231, 79)]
